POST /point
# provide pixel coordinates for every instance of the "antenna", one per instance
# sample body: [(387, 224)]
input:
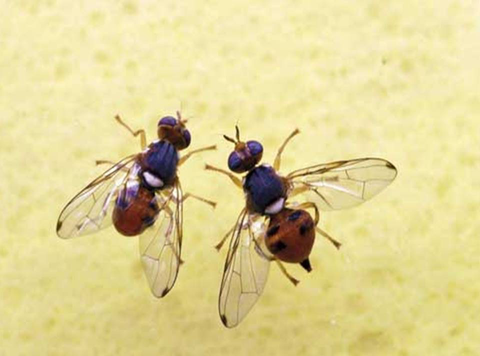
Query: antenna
[(229, 139)]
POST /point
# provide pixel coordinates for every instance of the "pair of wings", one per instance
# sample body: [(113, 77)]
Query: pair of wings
[(160, 244), (331, 186)]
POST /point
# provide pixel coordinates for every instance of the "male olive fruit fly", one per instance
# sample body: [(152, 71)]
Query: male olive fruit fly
[(142, 196), (270, 228)]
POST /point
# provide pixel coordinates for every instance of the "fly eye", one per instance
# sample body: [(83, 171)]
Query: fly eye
[(235, 162), (167, 121), (187, 137), (255, 148)]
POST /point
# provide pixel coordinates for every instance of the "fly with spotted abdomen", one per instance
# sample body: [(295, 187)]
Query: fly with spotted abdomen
[(271, 228)]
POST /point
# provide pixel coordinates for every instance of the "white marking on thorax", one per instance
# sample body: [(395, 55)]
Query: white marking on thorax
[(152, 180), (275, 207)]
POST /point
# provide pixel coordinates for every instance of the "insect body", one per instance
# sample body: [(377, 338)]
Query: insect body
[(266, 191), (290, 236), (270, 228), (136, 208), (141, 195)]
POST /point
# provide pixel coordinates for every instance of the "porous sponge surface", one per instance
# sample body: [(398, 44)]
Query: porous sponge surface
[(393, 79)]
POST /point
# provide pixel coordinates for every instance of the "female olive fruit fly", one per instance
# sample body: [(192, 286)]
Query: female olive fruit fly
[(270, 228), (141, 196)]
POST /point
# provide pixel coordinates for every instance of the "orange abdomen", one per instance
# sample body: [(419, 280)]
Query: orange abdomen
[(135, 209), (290, 235)]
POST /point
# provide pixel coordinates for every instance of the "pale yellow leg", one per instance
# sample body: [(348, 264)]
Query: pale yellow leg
[(234, 179), (219, 246), (189, 154), (329, 238), (143, 138), (98, 162), (311, 205), (284, 271), (206, 201), (276, 163)]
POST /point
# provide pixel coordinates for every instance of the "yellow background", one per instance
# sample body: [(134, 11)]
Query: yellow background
[(394, 79)]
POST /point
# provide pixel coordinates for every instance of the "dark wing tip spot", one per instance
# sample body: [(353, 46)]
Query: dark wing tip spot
[(59, 225), (224, 319), (390, 165), (164, 292)]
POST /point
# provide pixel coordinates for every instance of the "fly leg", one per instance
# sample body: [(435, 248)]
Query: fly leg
[(234, 179), (310, 205), (189, 154), (143, 138), (246, 225), (103, 161), (185, 197), (279, 264), (206, 201), (276, 163), (328, 237), (219, 245), (285, 272)]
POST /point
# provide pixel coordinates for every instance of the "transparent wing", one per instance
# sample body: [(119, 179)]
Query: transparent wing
[(245, 272), (90, 210), (343, 184), (161, 244)]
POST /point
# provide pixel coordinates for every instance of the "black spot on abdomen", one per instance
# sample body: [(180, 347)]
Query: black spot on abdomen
[(273, 230), (294, 216), (304, 228), (277, 247)]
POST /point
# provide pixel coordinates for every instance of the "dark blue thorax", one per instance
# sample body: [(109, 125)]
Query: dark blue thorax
[(263, 187), (161, 160)]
